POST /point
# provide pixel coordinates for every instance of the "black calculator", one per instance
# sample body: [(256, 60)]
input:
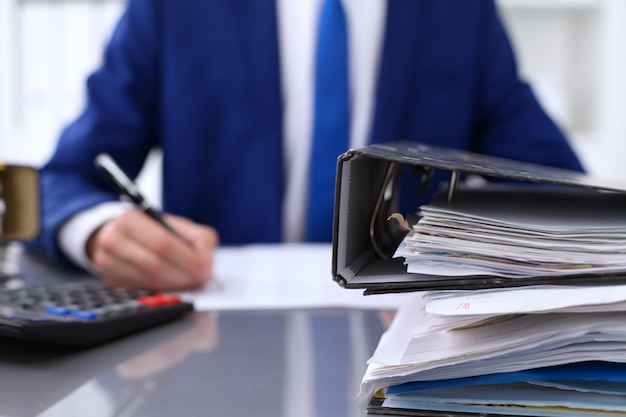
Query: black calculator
[(83, 314)]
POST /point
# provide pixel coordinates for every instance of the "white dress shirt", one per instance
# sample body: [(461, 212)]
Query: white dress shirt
[(297, 26)]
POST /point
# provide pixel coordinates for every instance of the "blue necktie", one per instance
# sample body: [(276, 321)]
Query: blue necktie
[(331, 118)]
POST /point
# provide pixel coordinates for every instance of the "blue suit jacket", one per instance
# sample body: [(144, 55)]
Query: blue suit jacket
[(201, 80)]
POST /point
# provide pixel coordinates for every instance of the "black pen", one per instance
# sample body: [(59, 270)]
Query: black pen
[(126, 187)]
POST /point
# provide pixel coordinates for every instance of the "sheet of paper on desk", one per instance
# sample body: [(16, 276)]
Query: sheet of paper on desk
[(280, 276)]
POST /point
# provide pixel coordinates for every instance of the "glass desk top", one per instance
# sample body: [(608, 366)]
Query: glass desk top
[(248, 363)]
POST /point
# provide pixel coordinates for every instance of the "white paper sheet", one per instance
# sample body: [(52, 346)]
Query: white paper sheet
[(281, 276), (528, 300)]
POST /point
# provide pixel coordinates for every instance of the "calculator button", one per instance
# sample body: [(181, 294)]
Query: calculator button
[(112, 309), (31, 316), (168, 299), (150, 301), (86, 315), (58, 311), (126, 306)]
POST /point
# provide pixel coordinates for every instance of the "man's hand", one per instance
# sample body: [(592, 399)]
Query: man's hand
[(133, 250)]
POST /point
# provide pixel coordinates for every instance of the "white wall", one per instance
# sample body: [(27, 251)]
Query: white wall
[(52, 45), (47, 48), (572, 52)]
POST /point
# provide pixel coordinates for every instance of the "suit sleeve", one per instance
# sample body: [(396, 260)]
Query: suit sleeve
[(510, 121), (119, 117)]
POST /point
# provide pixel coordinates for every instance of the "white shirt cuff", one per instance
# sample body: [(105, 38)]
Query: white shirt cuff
[(73, 235)]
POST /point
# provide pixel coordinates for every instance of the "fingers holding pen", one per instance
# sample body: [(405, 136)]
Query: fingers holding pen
[(136, 251), (141, 247), (201, 239)]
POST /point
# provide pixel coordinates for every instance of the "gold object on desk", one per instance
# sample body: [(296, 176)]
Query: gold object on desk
[(19, 214), (19, 203)]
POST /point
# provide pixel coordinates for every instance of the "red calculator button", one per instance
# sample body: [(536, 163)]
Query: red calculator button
[(169, 298), (150, 301)]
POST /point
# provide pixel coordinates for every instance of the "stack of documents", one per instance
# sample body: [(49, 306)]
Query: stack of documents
[(519, 232), (537, 351), (542, 350)]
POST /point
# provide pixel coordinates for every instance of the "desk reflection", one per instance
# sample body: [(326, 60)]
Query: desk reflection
[(304, 363), (285, 363)]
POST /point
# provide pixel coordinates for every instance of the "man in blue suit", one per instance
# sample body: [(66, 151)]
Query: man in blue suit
[(223, 89)]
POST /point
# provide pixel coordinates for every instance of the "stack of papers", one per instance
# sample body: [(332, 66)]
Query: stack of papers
[(519, 232), (557, 351), (542, 350)]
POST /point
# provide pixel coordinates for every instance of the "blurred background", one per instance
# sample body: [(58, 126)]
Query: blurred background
[(571, 51)]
